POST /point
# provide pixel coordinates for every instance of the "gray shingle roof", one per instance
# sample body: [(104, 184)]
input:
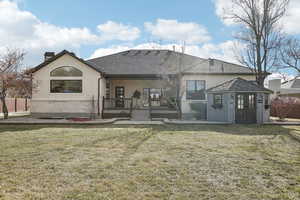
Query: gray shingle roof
[(238, 85), (153, 62)]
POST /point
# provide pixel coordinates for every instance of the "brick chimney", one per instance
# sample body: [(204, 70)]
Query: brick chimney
[(48, 55)]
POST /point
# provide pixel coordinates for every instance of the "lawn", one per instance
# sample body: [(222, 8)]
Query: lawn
[(149, 162)]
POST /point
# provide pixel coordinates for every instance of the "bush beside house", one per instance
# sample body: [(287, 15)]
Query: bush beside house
[(285, 107)]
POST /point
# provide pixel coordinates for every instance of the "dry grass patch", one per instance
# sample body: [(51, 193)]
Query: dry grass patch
[(149, 162)]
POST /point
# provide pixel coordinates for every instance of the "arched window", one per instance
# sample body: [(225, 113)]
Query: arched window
[(66, 71)]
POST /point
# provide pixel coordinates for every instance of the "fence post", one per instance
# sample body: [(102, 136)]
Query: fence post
[(16, 110), (150, 108), (26, 106), (131, 106)]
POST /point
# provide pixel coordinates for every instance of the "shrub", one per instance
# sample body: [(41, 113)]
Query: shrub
[(284, 107)]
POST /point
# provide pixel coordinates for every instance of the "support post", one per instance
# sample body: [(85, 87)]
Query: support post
[(26, 104), (16, 101), (150, 107), (131, 105), (103, 106)]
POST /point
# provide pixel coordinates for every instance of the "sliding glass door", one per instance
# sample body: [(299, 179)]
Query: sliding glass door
[(153, 96)]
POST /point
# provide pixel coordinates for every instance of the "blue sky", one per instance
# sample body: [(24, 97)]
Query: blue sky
[(96, 27)]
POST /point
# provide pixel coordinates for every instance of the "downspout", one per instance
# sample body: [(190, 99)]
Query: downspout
[(98, 100)]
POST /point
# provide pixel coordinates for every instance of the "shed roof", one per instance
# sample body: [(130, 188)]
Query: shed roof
[(238, 85)]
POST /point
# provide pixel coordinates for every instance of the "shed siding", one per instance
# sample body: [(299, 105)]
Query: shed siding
[(211, 81)]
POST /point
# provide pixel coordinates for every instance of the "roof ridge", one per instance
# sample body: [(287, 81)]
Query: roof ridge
[(168, 50)]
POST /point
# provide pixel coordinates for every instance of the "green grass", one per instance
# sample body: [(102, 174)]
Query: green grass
[(149, 162)]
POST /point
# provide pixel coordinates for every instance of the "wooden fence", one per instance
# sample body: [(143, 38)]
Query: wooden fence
[(16, 105)]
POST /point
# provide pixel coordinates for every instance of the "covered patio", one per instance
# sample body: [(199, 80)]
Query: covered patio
[(128, 94)]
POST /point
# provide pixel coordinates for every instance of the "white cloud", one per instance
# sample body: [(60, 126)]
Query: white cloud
[(107, 51), (22, 29), (290, 22), (172, 30), (222, 51), (116, 31), (222, 8)]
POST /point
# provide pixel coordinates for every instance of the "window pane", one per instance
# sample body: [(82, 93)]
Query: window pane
[(200, 85), (66, 86), (195, 89), (190, 85), (66, 71), (251, 101), (240, 102), (217, 99)]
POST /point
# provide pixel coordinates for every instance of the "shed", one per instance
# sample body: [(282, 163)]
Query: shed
[(238, 101)]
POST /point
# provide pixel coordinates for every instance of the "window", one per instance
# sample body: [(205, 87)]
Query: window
[(218, 99), (195, 89), (266, 96), (66, 86), (240, 102), (251, 100), (107, 89), (66, 71), (267, 103)]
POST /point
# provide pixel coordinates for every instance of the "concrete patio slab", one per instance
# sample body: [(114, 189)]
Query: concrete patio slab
[(128, 122), (184, 122), (15, 114), (288, 123), (34, 121)]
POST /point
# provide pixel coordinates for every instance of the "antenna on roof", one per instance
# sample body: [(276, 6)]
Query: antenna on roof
[(183, 47)]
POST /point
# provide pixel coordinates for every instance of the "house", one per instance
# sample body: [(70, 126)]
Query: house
[(289, 88), (68, 86)]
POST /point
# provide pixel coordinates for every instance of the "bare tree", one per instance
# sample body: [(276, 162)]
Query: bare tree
[(10, 63), (290, 54), (260, 33), (172, 76)]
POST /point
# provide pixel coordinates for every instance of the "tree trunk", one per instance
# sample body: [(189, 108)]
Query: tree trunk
[(260, 79), (4, 108)]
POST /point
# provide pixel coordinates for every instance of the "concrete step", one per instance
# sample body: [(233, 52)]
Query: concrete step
[(140, 115)]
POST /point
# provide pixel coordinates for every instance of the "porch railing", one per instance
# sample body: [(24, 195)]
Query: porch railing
[(124, 105), (167, 110), (117, 103)]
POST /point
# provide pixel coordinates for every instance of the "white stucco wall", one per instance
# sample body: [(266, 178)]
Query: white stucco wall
[(43, 101), (211, 81)]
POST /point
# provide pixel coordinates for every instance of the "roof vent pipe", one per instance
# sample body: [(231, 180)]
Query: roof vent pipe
[(211, 62)]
